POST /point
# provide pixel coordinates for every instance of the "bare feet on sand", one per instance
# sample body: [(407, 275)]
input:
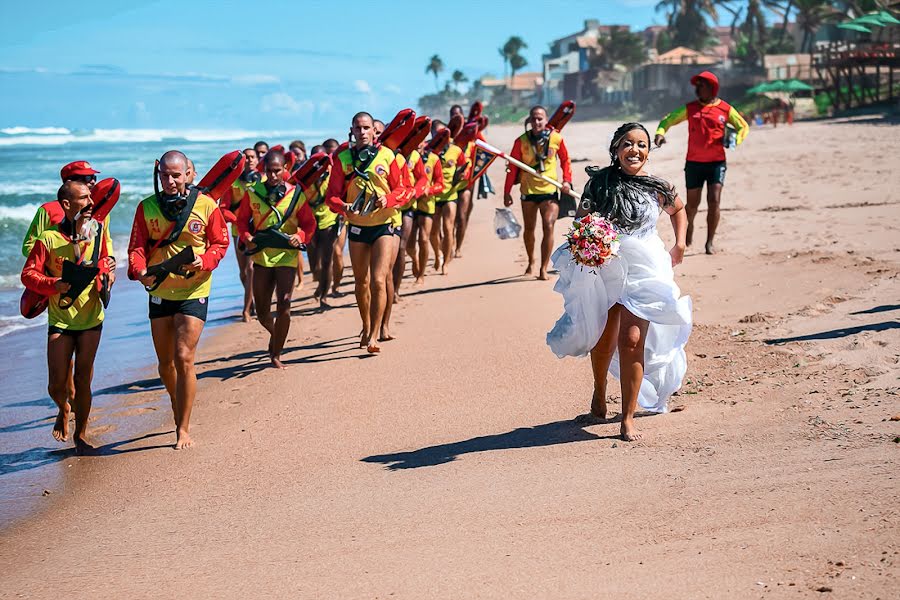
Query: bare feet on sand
[(543, 275), (598, 405), (420, 280), (82, 447), (245, 317), (437, 264), (372, 347), (323, 305), (710, 249), (530, 269), (183, 440), (61, 427), (628, 431), (385, 336), (396, 298), (276, 361)]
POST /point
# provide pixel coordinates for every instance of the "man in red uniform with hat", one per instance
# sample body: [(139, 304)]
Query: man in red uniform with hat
[(707, 118)]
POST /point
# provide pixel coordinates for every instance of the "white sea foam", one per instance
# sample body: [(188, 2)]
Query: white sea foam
[(35, 130), (56, 136), (16, 322), (24, 212)]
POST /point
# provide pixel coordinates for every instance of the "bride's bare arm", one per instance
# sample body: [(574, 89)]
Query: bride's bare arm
[(677, 216)]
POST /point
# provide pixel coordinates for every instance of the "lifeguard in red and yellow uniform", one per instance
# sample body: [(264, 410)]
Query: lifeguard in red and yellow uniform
[(544, 150), (366, 187), (177, 240)]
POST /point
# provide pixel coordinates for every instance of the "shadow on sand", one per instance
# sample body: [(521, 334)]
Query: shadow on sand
[(35, 458), (836, 333), (548, 434)]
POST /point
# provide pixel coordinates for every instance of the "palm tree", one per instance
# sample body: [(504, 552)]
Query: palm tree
[(516, 62), (435, 66), (458, 78), (511, 48), (687, 21), (811, 14)]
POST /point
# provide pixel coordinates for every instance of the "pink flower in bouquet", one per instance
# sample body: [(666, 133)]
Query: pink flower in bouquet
[(593, 241)]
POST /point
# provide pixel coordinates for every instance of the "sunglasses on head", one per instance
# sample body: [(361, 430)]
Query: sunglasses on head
[(83, 178)]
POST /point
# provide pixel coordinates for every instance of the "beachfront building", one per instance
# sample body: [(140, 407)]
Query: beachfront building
[(571, 54), (523, 89)]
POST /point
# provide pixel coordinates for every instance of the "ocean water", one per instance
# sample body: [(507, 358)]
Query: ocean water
[(30, 159)]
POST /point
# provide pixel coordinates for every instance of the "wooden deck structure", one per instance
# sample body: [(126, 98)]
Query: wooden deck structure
[(859, 74)]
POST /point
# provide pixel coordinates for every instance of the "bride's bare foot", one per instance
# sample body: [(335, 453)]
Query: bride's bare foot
[(61, 427), (598, 405), (628, 431), (183, 440)]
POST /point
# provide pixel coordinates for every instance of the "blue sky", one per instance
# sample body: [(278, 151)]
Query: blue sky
[(225, 65)]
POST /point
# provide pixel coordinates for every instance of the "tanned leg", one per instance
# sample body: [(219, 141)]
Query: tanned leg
[(337, 265), (245, 269), (312, 253), (325, 240), (284, 288), (463, 210), (360, 256), (384, 334), (59, 368), (601, 356), (425, 225), (381, 259), (691, 207), (713, 201), (263, 289), (163, 332), (435, 236), (410, 248), (448, 242), (549, 213), (85, 352), (632, 335), (299, 270), (529, 216), (187, 335), (399, 267)]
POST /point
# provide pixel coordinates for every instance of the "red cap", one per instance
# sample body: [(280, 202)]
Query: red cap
[(712, 79), (79, 167)]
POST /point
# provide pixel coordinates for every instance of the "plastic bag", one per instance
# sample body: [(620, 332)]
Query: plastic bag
[(505, 224)]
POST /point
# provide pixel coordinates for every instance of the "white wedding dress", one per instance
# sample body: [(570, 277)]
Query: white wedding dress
[(641, 279)]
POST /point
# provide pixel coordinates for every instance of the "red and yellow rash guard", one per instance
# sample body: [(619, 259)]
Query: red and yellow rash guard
[(230, 203), (429, 182), (325, 217), (255, 214), (48, 216), (205, 232), (44, 268), (385, 179), (557, 156), (452, 159), (706, 128)]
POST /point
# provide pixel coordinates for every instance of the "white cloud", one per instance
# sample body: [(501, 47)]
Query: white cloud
[(255, 79), (282, 103), (393, 89), (363, 86)]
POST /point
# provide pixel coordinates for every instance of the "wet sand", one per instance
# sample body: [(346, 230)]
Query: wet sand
[(453, 465)]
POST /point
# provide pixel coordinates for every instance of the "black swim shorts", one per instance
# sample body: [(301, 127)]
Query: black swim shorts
[(369, 234), (698, 173), (554, 197), (71, 332), (160, 307)]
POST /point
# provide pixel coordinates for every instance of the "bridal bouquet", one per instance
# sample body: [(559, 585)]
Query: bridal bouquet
[(593, 241)]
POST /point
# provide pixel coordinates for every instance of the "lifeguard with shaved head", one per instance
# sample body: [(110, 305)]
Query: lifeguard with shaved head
[(177, 240)]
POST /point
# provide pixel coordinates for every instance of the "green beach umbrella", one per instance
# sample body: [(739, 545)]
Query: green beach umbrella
[(762, 88), (868, 21), (851, 26), (795, 85), (887, 18)]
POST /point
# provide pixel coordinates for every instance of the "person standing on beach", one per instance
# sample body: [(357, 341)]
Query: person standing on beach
[(366, 186), (75, 322), (337, 263), (545, 150), (464, 198), (707, 117), (229, 204), (175, 222), (325, 238), (443, 231), (275, 206), (432, 178)]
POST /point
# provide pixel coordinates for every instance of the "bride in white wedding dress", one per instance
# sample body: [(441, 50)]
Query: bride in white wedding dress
[(628, 314)]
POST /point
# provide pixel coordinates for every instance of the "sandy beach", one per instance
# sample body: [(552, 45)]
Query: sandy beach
[(453, 465)]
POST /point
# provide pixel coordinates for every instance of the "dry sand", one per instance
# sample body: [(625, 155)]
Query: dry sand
[(451, 466)]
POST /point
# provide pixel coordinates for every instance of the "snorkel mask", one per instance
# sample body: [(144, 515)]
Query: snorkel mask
[(251, 176)]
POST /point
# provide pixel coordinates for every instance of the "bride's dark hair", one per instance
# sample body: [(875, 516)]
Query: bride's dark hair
[(617, 195)]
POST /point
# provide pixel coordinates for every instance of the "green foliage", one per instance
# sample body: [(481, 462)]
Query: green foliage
[(621, 47), (435, 66)]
